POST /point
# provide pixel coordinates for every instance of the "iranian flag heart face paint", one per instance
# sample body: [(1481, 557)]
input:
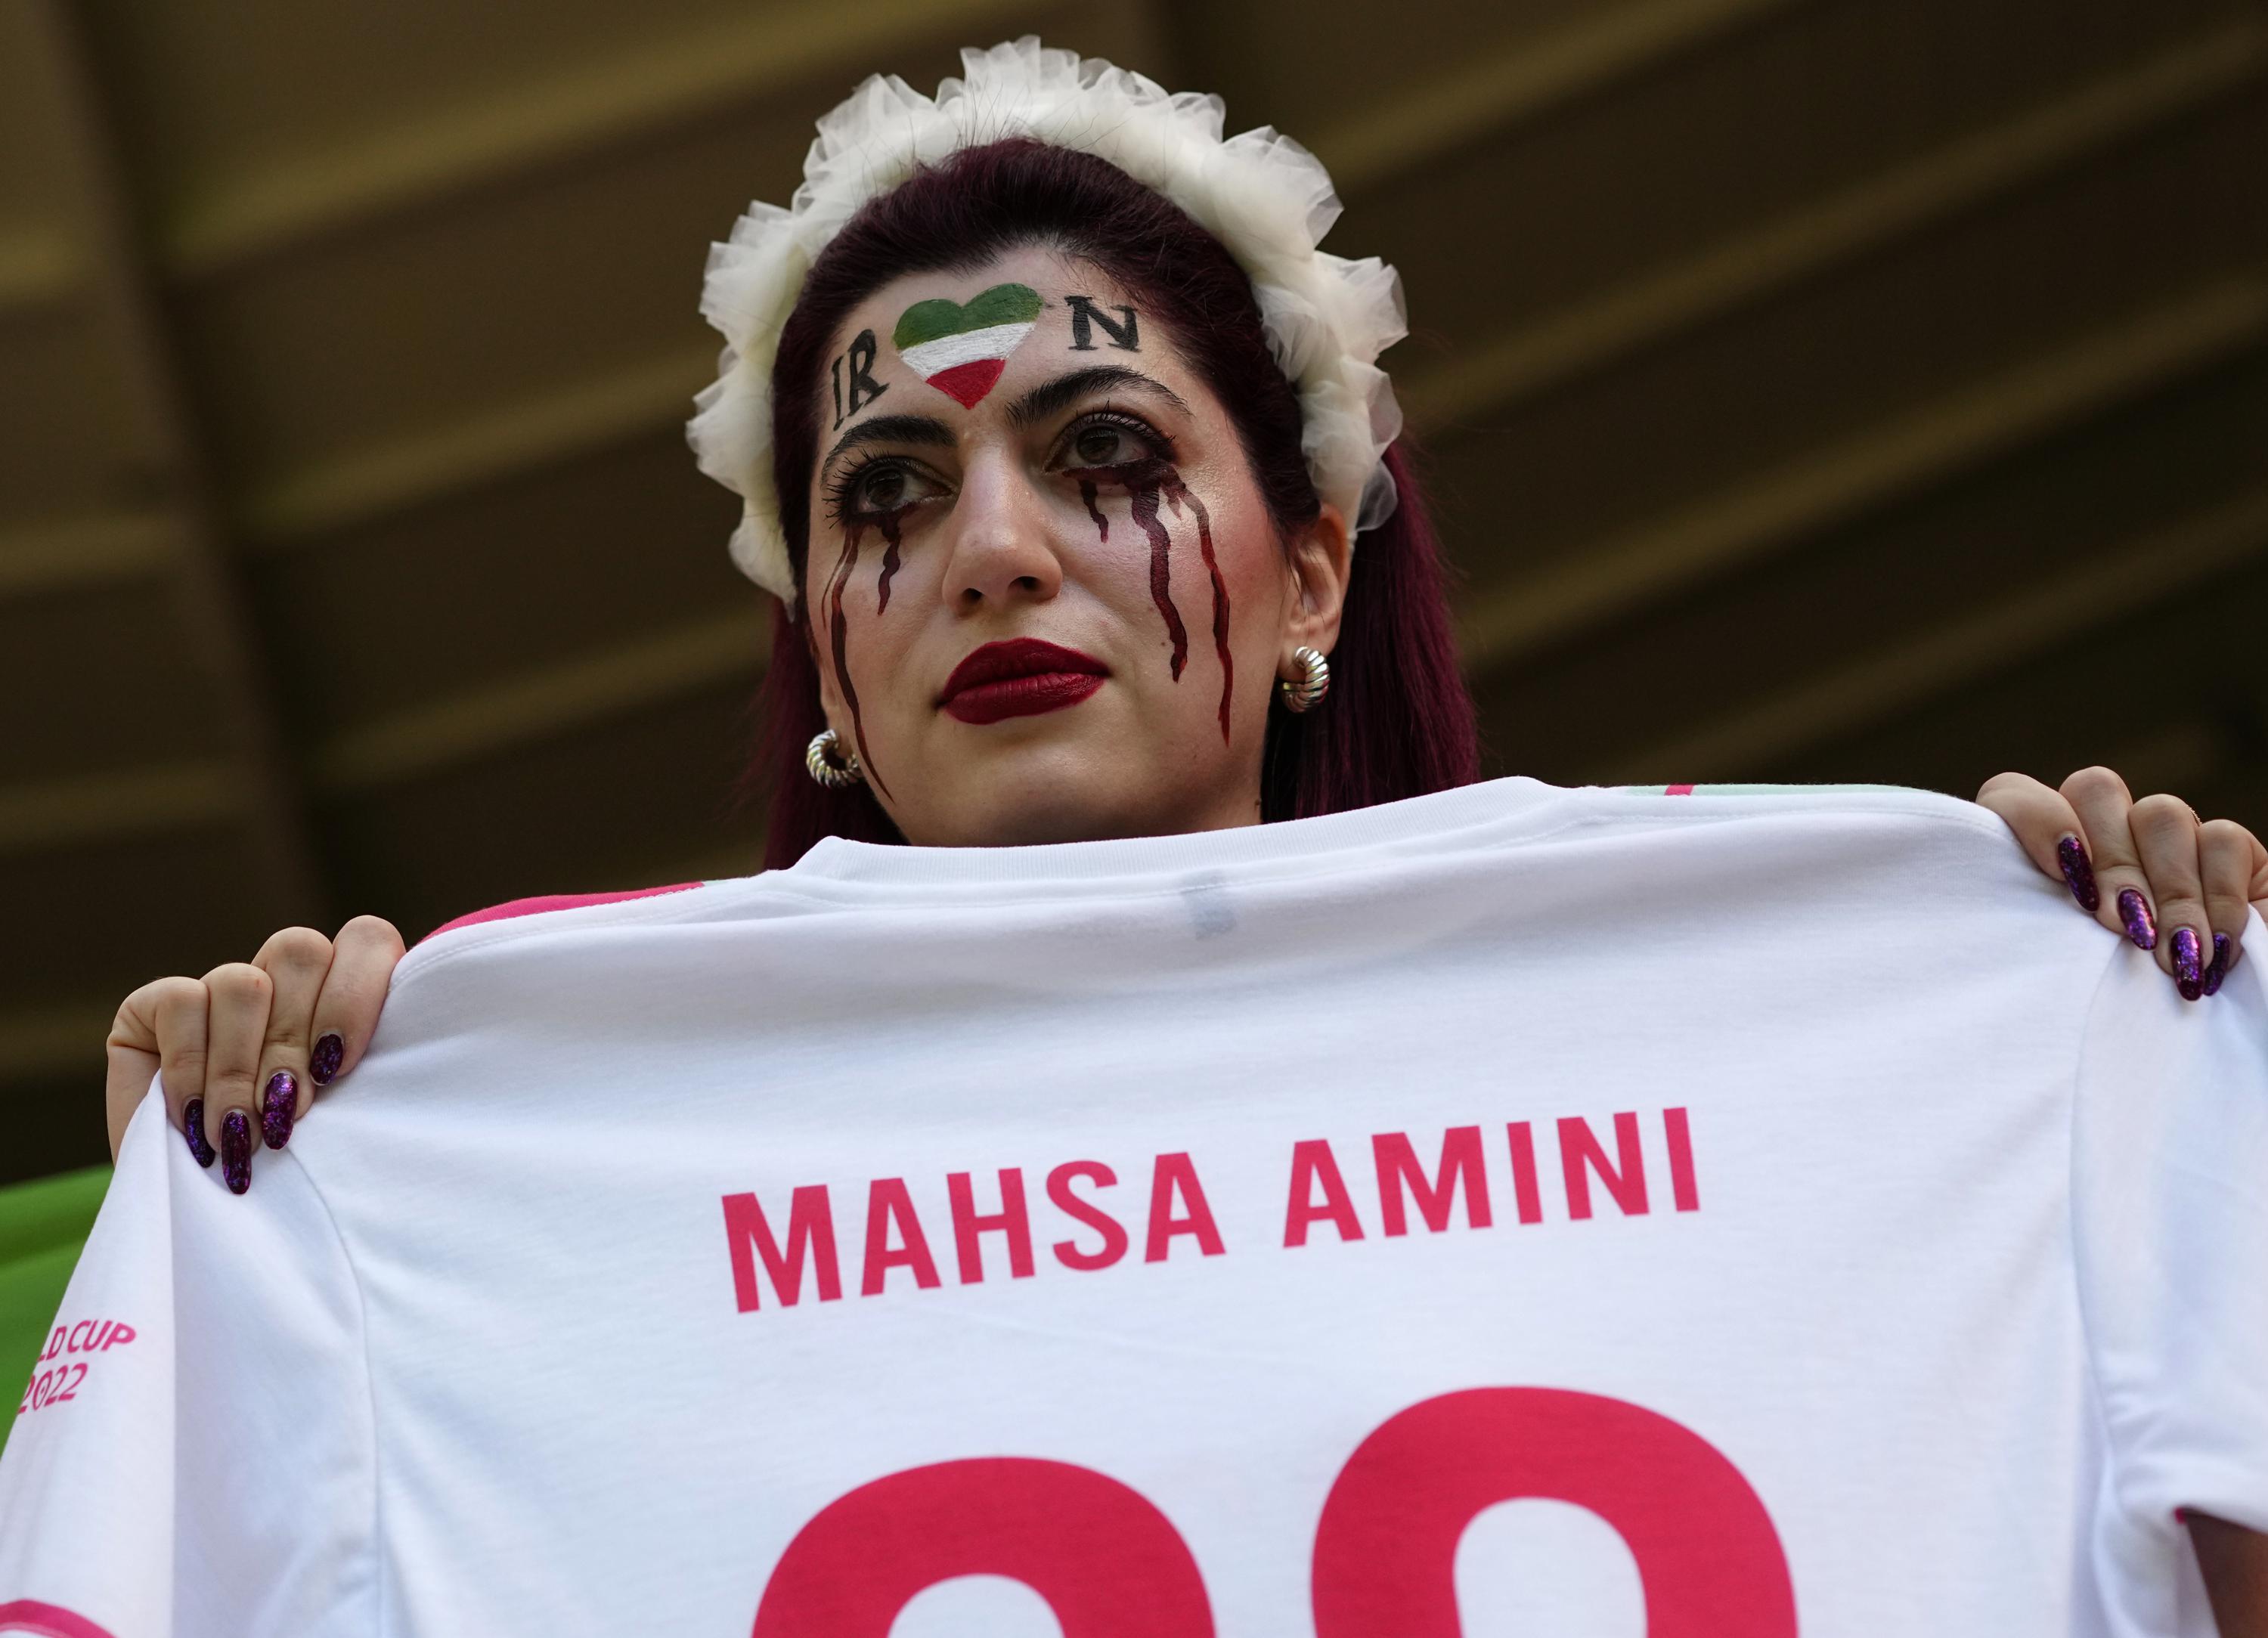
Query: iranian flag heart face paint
[(961, 348)]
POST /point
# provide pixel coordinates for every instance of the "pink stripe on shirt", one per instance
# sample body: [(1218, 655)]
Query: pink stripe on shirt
[(554, 902)]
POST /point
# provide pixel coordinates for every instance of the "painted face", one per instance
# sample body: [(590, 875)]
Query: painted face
[(1047, 601)]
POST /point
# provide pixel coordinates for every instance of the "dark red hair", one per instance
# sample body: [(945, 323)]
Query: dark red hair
[(1398, 720)]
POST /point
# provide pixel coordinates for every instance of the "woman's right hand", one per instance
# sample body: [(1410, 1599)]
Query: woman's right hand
[(241, 1050)]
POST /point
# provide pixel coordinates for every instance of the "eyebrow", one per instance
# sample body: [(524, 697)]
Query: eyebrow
[(893, 430), (1052, 397)]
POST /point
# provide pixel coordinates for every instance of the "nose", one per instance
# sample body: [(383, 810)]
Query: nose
[(1001, 549)]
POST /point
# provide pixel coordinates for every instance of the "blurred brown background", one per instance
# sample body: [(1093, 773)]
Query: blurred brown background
[(1815, 389)]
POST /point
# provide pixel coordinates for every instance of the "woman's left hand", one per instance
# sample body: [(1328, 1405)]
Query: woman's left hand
[(2175, 885)]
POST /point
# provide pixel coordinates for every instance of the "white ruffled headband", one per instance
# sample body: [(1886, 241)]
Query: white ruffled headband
[(1262, 194)]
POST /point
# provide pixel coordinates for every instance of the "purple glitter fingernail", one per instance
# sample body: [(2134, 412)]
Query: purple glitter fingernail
[(277, 1105), (323, 1062), (2218, 969), (193, 1131), (2078, 873), (2141, 926), (236, 1150), (2188, 963)]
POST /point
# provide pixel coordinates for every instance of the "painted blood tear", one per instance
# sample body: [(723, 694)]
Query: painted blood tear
[(838, 633), (1177, 493), (1146, 483), (887, 523), (1144, 500)]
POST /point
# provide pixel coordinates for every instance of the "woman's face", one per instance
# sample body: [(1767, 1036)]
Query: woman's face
[(1046, 599)]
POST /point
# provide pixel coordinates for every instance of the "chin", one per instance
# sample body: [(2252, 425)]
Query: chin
[(1058, 793)]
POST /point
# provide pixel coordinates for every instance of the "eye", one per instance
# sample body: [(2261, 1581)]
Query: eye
[(880, 489), (879, 486), (1112, 438), (1102, 444)]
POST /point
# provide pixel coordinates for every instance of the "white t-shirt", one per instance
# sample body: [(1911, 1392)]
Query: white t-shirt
[(1687, 1215)]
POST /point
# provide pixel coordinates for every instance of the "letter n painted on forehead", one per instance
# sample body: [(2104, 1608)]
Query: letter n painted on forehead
[(1085, 316), (864, 389), (961, 348)]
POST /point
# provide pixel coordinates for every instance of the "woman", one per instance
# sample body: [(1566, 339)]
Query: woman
[(970, 530), (1067, 455)]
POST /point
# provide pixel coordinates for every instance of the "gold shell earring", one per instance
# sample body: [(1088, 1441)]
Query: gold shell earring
[(1314, 683), (829, 765)]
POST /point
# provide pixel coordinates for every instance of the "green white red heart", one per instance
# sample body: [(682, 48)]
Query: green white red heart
[(961, 348)]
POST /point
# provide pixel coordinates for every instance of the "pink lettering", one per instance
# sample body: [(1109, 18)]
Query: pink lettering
[(1010, 1220), (1460, 1158), (1316, 1193), (1086, 1214), (1525, 1193), (1312, 1164), (810, 1236), (1175, 1175), (1579, 1155), (1683, 1189), (888, 1205)]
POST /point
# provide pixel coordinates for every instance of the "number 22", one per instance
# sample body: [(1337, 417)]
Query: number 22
[(1112, 1566)]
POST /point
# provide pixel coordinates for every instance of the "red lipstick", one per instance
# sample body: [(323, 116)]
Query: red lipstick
[(1023, 677)]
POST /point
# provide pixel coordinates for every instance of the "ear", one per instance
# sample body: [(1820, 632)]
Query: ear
[(1322, 558)]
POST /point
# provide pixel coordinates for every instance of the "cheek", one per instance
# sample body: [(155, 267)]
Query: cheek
[(1214, 579), (1252, 562), (855, 634), (1252, 568)]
